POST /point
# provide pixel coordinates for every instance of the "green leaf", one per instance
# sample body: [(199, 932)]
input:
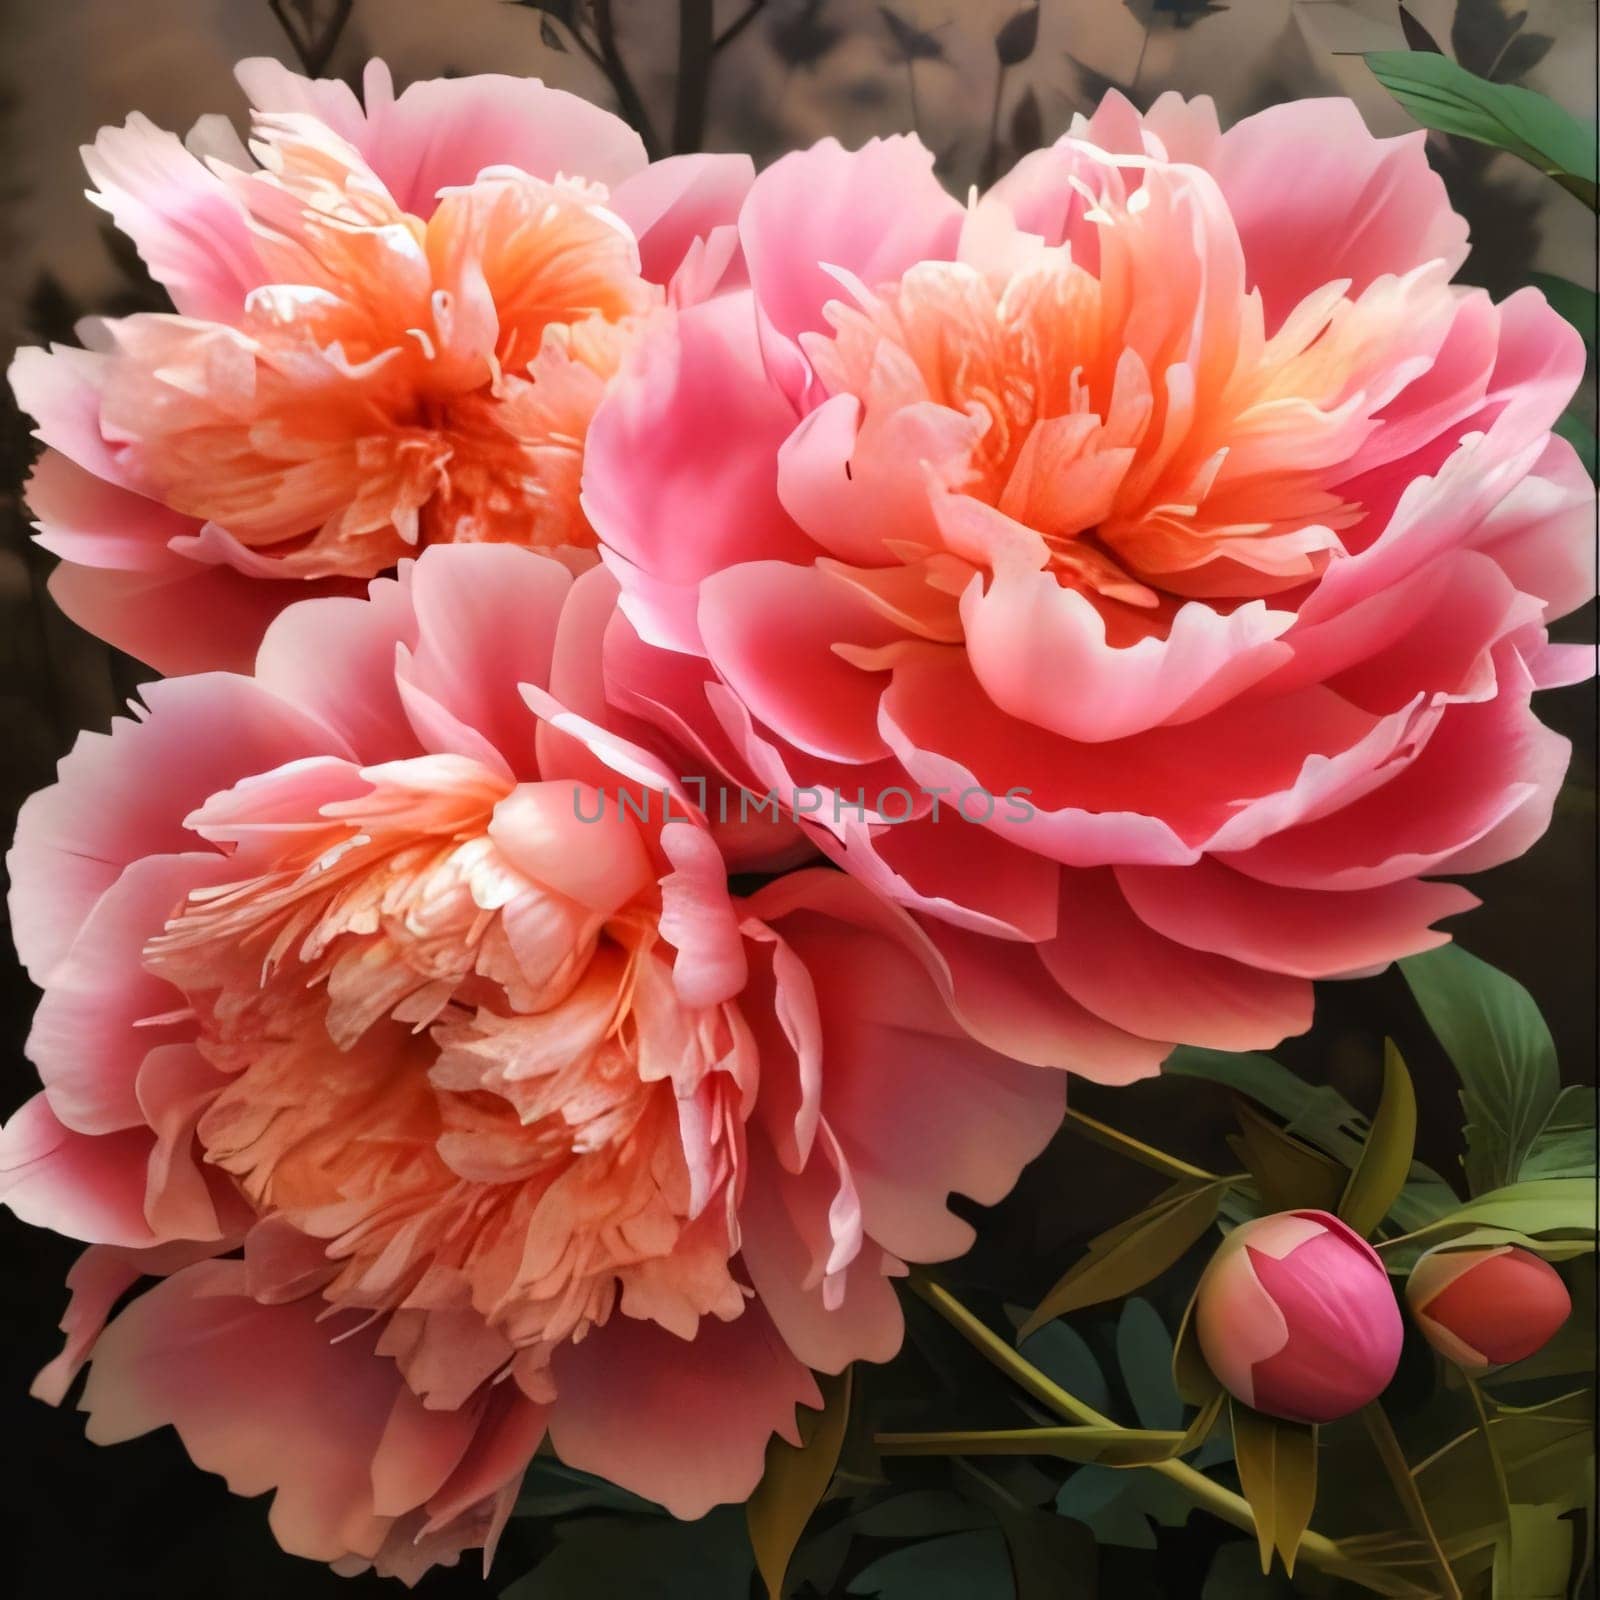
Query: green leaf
[(1502, 1051), (1545, 1449), (794, 1482), (919, 1514), (1063, 1355), (551, 1489), (1539, 1206), (1534, 1559), (1378, 1180), (1193, 1379), (1315, 1112), (1580, 306), (1144, 1352), (964, 1566), (1128, 1256), (1565, 1146), (1050, 1555), (1289, 1173), (1277, 1463), (1443, 95), (658, 1558)]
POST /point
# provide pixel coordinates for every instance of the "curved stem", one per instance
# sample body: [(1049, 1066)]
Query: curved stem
[(1102, 1133), (1405, 1486), (1490, 1447), (1209, 1495)]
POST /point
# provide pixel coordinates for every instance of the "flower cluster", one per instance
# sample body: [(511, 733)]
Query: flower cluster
[(452, 997)]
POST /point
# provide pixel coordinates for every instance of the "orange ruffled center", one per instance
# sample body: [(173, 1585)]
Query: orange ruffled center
[(478, 1096), (1125, 421), (399, 382)]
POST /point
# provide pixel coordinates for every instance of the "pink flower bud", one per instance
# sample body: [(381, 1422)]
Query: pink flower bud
[(1487, 1306), (1296, 1318)]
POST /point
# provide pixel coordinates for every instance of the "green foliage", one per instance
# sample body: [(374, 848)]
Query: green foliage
[(1579, 306), (1129, 1255), (1444, 96), (1502, 1051), (1381, 1172), (795, 1480), (1278, 1476), (658, 1558), (959, 1566)]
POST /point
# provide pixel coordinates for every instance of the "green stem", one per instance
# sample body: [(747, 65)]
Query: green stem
[(1102, 1133), (1490, 1447), (1316, 1548), (1405, 1486)]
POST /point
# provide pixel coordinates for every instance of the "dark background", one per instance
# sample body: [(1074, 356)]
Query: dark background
[(138, 1520)]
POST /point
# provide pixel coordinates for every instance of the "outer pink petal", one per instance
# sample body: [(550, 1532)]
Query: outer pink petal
[(445, 131), (88, 519), (672, 203), (1116, 966), (887, 1038), (201, 735), (1005, 997), (90, 1032), (1297, 931), (1315, 197), (784, 1237), (189, 229), (485, 625), (85, 1186), (680, 465), (682, 1422), (873, 212), (259, 1394), (1486, 763), (190, 619)]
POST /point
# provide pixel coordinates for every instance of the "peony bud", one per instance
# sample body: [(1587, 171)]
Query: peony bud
[(1487, 1306), (1296, 1318)]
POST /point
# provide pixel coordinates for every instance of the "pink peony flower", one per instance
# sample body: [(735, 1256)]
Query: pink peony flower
[(393, 325), (398, 1016), (1487, 1306), (1296, 1318), (1147, 566)]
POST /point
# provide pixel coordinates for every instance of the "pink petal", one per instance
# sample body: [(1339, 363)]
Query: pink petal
[(189, 229), (1315, 197), (784, 1234), (260, 1394), (667, 483), (684, 1423), (87, 1040), (672, 203), (1104, 957), (1027, 635), (1301, 932), (84, 1186), (873, 212), (201, 735)]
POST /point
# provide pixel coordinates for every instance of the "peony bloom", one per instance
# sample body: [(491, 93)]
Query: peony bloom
[(398, 1016), (1147, 564), (1296, 1318), (1489, 1306), (393, 325)]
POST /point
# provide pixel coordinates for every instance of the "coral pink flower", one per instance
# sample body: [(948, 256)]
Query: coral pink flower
[(1487, 1306), (1296, 1318), (1172, 484), (392, 328), (387, 967)]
